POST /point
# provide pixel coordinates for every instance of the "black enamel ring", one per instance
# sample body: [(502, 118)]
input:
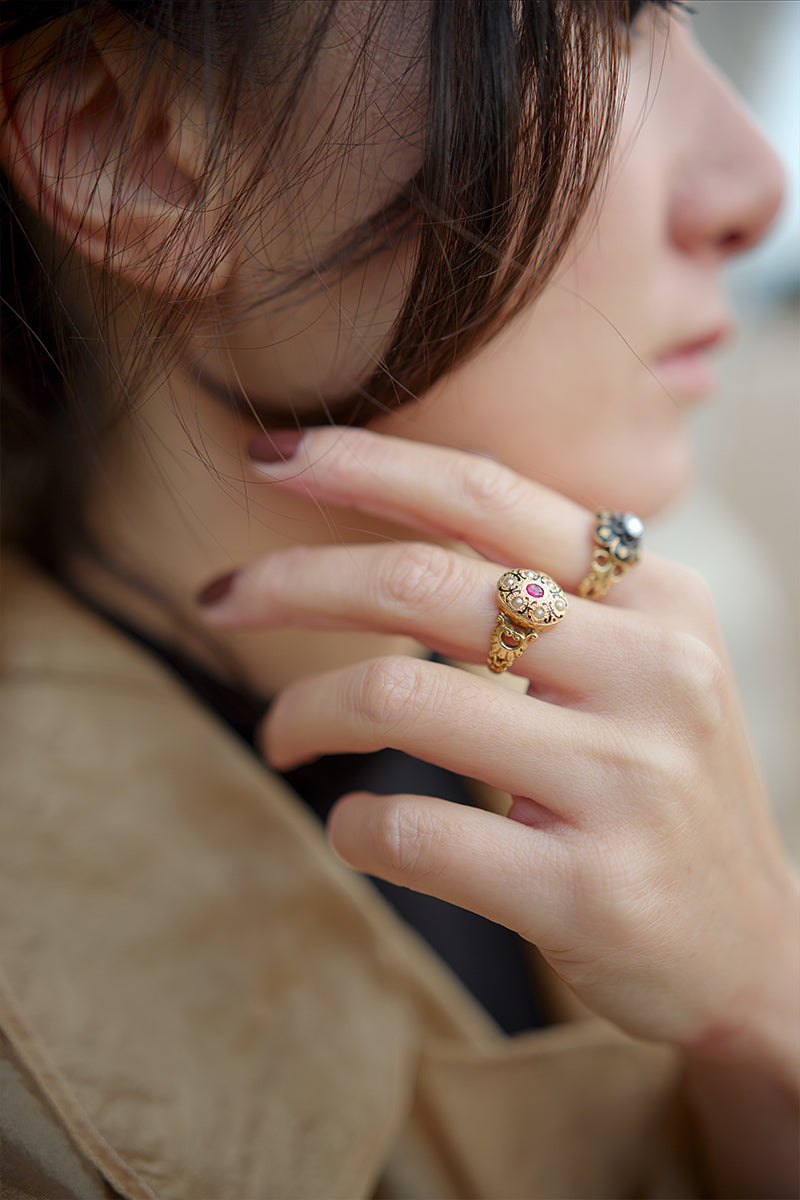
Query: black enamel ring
[(617, 538)]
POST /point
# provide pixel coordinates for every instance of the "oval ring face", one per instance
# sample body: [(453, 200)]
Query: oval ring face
[(531, 598)]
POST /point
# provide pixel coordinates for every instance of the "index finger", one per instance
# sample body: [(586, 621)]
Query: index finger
[(436, 489)]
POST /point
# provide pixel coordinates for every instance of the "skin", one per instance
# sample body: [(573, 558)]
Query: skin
[(639, 852), (692, 182)]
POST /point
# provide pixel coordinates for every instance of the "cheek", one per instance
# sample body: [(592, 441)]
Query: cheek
[(563, 400), (550, 381), (562, 395)]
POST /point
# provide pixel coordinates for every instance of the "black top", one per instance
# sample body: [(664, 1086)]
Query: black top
[(490, 960)]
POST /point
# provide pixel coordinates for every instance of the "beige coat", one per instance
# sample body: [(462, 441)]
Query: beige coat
[(198, 1000)]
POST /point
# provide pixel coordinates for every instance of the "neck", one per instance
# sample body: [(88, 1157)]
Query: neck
[(177, 506)]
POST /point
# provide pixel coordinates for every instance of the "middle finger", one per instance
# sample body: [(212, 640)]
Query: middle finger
[(445, 600)]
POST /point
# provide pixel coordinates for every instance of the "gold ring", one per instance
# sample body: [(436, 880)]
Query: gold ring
[(529, 602), (617, 537)]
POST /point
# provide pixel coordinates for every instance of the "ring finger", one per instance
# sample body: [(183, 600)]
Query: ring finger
[(409, 704)]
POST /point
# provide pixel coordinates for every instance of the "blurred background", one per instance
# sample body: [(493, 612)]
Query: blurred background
[(739, 527)]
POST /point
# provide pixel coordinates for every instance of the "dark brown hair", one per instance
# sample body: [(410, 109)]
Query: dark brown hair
[(519, 108)]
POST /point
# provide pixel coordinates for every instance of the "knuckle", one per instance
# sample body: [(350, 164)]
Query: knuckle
[(491, 489), (387, 691), (691, 593), (647, 761), (683, 713), (404, 840), (680, 682), (698, 678), (653, 769), (416, 574), (340, 454), (664, 770), (691, 583)]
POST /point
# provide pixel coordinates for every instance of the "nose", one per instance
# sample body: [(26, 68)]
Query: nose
[(732, 183)]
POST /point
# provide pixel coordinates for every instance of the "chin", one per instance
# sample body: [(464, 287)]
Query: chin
[(660, 482)]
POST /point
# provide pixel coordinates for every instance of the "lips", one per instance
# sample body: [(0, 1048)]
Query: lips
[(686, 368)]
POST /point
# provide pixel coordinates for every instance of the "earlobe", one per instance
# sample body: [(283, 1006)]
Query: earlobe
[(99, 153)]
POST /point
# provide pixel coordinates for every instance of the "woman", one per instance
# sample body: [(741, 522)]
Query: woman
[(259, 222)]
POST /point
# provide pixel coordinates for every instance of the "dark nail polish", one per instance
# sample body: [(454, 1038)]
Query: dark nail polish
[(213, 592), (275, 447)]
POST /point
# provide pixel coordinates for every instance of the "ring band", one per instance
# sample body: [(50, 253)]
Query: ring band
[(617, 538), (529, 602)]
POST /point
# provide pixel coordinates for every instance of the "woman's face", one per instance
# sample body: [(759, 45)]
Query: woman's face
[(590, 390)]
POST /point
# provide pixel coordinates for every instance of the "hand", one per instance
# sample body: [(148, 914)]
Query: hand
[(640, 855)]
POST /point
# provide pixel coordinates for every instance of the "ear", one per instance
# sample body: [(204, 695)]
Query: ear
[(111, 153)]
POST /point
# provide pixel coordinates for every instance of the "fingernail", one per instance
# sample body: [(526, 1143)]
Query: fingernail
[(279, 446), (213, 592)]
